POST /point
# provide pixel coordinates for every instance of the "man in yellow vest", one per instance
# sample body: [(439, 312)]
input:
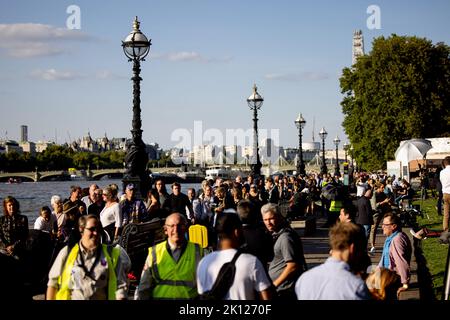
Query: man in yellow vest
[(89, 270), (170, 268)]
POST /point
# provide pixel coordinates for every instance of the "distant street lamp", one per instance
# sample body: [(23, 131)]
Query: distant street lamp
[(351, 153), (255, 102), (323, 134), (136, 47), (336, 169), (346, 146), (300, 123)]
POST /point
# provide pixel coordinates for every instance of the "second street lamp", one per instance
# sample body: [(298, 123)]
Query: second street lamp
[(255, 102), (300, 123), (136, 46), (323, 134), (336, 169)]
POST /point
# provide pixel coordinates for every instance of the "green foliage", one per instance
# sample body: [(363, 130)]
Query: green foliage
[(55, 157), (434, 252), (62, 158), (397, 92)]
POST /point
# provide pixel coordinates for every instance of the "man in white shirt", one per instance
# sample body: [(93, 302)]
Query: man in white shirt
[(250, 277), (445, 180)]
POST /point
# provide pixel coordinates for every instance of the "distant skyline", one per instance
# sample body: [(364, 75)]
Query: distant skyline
[(203, 62)]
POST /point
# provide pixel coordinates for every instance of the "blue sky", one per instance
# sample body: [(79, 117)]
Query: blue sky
[(205, 57)]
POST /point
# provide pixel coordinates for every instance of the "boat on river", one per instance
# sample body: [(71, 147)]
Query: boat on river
[(224, 172)]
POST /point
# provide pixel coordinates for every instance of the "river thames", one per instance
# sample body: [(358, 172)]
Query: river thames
[(34, 195)]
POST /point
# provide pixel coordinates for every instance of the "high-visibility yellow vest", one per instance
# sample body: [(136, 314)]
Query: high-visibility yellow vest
[(64, 293), (335, 206), (174, 280)]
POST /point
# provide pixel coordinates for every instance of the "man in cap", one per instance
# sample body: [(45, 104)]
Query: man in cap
[(133, 210)]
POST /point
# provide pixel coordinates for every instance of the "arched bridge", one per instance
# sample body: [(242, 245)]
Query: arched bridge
[(35, 176)]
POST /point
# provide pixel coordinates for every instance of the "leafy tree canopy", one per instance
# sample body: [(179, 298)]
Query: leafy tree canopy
[(400, 91)]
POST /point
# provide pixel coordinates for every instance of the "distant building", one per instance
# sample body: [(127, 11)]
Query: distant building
[(358, 46), (119, 144), (154, 151), (23, 133), (11, 145), (104, 144), (88, 144), (43, 145), (27, 146)]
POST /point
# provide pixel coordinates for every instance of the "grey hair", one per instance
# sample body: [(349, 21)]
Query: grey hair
[(55, 199), (271, 207)]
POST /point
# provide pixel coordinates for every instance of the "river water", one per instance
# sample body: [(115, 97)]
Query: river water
[(34, 195)]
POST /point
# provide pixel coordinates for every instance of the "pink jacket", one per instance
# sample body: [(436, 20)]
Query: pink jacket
[(400, 256)]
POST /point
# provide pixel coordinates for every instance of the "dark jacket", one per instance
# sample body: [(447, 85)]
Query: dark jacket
[(364, 213), (178, 204)]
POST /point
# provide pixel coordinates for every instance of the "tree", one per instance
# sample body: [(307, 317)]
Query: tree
[(55, 157), (399, 91)]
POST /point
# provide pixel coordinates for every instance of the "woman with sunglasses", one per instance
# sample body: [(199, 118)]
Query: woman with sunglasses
[(89, 270)]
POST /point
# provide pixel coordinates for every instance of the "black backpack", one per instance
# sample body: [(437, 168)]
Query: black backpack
[(224, 280)]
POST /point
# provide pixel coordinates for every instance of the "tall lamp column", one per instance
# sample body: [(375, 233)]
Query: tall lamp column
[(136, 47), (323, 134), (255, 102), (300, 123), (336, 168)]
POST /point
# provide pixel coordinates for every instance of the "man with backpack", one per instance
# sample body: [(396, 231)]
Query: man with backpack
[(217, 279)]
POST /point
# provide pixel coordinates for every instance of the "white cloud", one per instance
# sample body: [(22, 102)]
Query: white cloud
[(185, 56), (25, 40), (108, 75), (297, 77), (53, 74)]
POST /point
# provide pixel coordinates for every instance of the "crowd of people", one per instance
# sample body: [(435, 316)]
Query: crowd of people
[(244, 219)]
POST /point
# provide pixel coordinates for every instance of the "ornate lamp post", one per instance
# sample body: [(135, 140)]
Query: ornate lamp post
[(336, 168), (300, 123), (255, 102), (136, 47), (323, 134)]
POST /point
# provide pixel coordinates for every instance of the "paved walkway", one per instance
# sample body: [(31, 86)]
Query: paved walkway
[(316, 248)]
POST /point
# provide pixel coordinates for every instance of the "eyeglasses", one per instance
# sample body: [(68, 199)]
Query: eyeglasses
[(92, 229), (386, 224)]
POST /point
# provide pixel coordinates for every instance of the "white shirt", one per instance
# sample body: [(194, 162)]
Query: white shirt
[(250, 275), (110, 215), (47, 226), (445, 180)]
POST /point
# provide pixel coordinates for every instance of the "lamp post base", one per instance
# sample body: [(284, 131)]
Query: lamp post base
[(136, 168), (256, 170)]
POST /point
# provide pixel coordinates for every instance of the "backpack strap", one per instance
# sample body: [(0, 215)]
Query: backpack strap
[(216, 286)]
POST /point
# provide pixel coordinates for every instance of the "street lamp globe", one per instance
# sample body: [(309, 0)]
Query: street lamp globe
[(336, 141), (300, 122), (255, 100), (323, 133), (136, 46)]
